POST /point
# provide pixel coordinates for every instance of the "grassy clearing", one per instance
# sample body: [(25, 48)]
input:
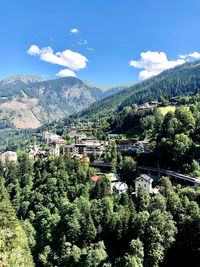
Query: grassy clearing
[(164, 110)]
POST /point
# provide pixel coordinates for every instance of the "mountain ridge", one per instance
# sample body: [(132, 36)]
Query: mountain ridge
[(181, 80), (29, 101)]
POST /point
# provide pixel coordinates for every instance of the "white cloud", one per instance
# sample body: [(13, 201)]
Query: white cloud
[(182, 56), (66, 73), (194, 55), (33, 50), (74, 30), (90, 48), (67, 58), (153, 63)]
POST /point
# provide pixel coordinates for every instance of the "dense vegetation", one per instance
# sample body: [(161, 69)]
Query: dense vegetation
[(14, 249), (70, 221)]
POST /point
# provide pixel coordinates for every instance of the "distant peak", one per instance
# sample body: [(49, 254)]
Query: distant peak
[(21, 78)]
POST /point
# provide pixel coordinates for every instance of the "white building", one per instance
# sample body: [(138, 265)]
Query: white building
[(8, 156), (144, 181), (120, 187), (141, 146)]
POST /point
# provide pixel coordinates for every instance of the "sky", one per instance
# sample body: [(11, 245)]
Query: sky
[(106, 42)]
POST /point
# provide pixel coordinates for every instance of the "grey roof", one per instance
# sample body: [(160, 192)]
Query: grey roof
[(145, 177)]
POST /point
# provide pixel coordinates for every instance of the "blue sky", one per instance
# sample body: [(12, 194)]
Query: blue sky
[(106, 41)]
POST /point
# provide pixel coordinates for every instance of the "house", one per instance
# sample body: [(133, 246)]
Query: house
[(141, 146), (120, 187), (72, 133), (124, 145), (174, 99), (113, 178), (152, 103), (8, 156), (144, 107), (95, 178), (144, 181)]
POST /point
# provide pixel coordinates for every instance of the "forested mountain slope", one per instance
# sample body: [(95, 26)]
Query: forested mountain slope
[(179, 81), (28, 101)]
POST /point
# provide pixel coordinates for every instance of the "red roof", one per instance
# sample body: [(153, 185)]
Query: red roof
[(144, 107), (95, 178)]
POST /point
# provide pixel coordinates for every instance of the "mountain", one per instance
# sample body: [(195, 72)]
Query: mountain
[(29, 101), (179, 81), (19, 80)]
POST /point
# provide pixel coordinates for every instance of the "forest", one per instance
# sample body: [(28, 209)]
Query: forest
[(70, 221)]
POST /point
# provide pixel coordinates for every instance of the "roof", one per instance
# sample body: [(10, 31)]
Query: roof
[(9, 153), (112, 135), (121, 186), (142, 142), (124, 142), (113, 177), (145, 177), (144, 107), (95, 178)]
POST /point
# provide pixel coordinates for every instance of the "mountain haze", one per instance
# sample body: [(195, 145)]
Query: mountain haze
[(29, 101)]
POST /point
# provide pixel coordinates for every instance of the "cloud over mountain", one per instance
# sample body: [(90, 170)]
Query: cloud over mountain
[(153, 63), (66, 73)]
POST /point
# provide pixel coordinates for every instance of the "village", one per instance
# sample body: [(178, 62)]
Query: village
[(81, 145)]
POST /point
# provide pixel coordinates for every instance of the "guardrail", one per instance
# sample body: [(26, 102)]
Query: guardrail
[(171, 173)]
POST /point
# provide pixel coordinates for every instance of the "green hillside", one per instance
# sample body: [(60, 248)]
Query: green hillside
[(180, 81)]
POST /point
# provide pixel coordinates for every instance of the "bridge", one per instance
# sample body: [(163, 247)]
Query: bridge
[(102, 164), (170, 174)]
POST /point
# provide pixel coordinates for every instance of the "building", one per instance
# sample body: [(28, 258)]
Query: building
[(113, 178), (152, 103), (141, 146), (90, 141), (78, 138), (72, 133), (80, 149), (144, 181), (54, 138), (95, 179), (52, 151), (124, 145), (120, 187), (8, 156), (68, 149), (144, 107), (174, 99)]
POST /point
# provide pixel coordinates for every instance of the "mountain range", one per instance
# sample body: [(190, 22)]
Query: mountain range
[(29, 101), (179, 81)]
